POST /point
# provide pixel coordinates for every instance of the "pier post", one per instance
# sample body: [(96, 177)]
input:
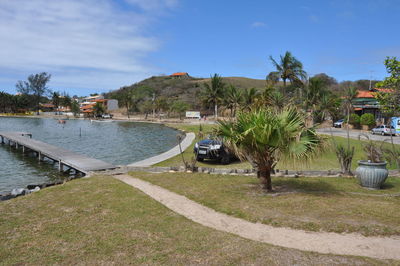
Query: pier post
[(2, 140), (23, 149), (60, 166), (16, 145), (40, 156)]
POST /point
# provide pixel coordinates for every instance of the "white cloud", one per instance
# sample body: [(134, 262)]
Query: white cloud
[(258, 24), (83, 43)]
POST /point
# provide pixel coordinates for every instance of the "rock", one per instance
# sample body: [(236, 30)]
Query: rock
[(36, 189), (18, 191)]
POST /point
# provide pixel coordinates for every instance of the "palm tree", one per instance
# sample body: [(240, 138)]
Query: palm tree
[(265, 136), (249, 97), (233, 99), (345, 154), (212, 94), (272, 97), (289, 68)]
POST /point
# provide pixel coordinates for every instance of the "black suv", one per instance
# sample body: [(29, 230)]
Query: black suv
[(213, 150)]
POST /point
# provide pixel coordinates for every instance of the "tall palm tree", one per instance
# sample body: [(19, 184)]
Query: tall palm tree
[(265, 136), (289, 68), (234, 97), (213, 93)]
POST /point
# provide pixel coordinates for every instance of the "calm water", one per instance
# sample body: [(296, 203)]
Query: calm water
[(114, 142)]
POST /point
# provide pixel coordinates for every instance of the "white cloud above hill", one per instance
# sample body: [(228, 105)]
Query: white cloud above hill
[(83, 43)]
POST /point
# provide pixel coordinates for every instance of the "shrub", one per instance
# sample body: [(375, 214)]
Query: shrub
[(354, 120), (367, 120)]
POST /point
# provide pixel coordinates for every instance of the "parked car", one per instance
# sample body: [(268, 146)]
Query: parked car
[(384, 130), (338, 123), (212, 150)]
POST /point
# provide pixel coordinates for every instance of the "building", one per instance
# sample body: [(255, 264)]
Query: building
[(87, 106), (180, 75), (365, 102)]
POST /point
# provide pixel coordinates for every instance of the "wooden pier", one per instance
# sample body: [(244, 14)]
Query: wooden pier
[(63, 157)]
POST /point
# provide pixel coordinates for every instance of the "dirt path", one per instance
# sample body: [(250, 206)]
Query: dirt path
[(332, 243)]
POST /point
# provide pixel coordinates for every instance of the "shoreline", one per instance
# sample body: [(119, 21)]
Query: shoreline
[(186, 142)]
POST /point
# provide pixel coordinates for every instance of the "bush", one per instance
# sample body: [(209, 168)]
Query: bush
[(354, 120), (367, 120)]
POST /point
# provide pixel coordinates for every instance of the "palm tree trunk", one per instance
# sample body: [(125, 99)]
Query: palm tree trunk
[(216, 111), (284, 87), (265, 177)]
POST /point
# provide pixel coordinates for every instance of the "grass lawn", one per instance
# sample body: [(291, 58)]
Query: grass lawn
[(330, 204), (324, 161), (100, 220)]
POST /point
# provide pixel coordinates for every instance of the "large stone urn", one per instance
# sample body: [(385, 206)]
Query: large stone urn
[(371, 175)]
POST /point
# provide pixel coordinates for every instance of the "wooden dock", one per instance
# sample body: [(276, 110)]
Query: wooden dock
[(62, 156)]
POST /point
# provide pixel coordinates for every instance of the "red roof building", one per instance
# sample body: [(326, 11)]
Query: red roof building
[(179, 75)]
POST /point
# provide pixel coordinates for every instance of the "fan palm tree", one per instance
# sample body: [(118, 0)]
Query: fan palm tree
[(233, 99), (289, 68), (265, 136), (213, 93)]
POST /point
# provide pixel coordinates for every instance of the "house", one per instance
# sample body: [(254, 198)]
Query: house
[(47, 107), (87, 106), (180, 75), (365, 102)]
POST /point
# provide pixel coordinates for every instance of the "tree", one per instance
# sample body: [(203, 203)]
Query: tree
[(249, 97), (265, 136), (213, 93), (56, 99), (36, 85), (75, 108), (233, 99), (66, 100), (146, 108), (98, 109), (389, 101), (367, 120), (393, 68), (179, 107), (289, 68), (345, 154)]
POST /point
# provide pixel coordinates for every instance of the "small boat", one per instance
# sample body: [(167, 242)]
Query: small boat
[(100, 120), (61, 121)]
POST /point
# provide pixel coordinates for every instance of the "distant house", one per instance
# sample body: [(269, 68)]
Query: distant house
[(180, 75), (87, 106), (47, 107), (365, 102)]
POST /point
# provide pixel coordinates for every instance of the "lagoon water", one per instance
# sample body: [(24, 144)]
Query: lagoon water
[(114, 142)]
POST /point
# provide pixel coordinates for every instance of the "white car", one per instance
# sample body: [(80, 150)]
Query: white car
[(384, 130)]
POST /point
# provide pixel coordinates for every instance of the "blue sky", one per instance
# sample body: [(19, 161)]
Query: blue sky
[(98, 45)]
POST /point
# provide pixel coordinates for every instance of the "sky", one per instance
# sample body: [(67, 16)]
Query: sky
[(93, 46)]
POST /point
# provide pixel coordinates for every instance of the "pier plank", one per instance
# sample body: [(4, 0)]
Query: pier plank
[(69, 158)]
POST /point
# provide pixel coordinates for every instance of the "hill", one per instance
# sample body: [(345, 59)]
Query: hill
[(185, 88)]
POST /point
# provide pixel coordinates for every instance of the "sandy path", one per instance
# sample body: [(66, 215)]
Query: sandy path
[(333, 243)]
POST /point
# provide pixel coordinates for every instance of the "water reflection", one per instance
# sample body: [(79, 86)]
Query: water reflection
[(115, 142)]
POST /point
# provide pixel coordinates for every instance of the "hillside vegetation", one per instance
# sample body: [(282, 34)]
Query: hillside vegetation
[(185, 89)]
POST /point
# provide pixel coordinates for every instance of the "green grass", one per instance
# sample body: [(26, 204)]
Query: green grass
[(102, 221), (330, 204), (324, 161)]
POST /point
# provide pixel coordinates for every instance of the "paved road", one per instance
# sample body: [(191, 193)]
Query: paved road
[(355, 133)]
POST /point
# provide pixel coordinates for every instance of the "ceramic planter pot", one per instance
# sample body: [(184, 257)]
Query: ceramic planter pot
[(371, 175)]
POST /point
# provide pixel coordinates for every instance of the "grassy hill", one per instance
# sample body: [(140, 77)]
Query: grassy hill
[(186, 89)]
